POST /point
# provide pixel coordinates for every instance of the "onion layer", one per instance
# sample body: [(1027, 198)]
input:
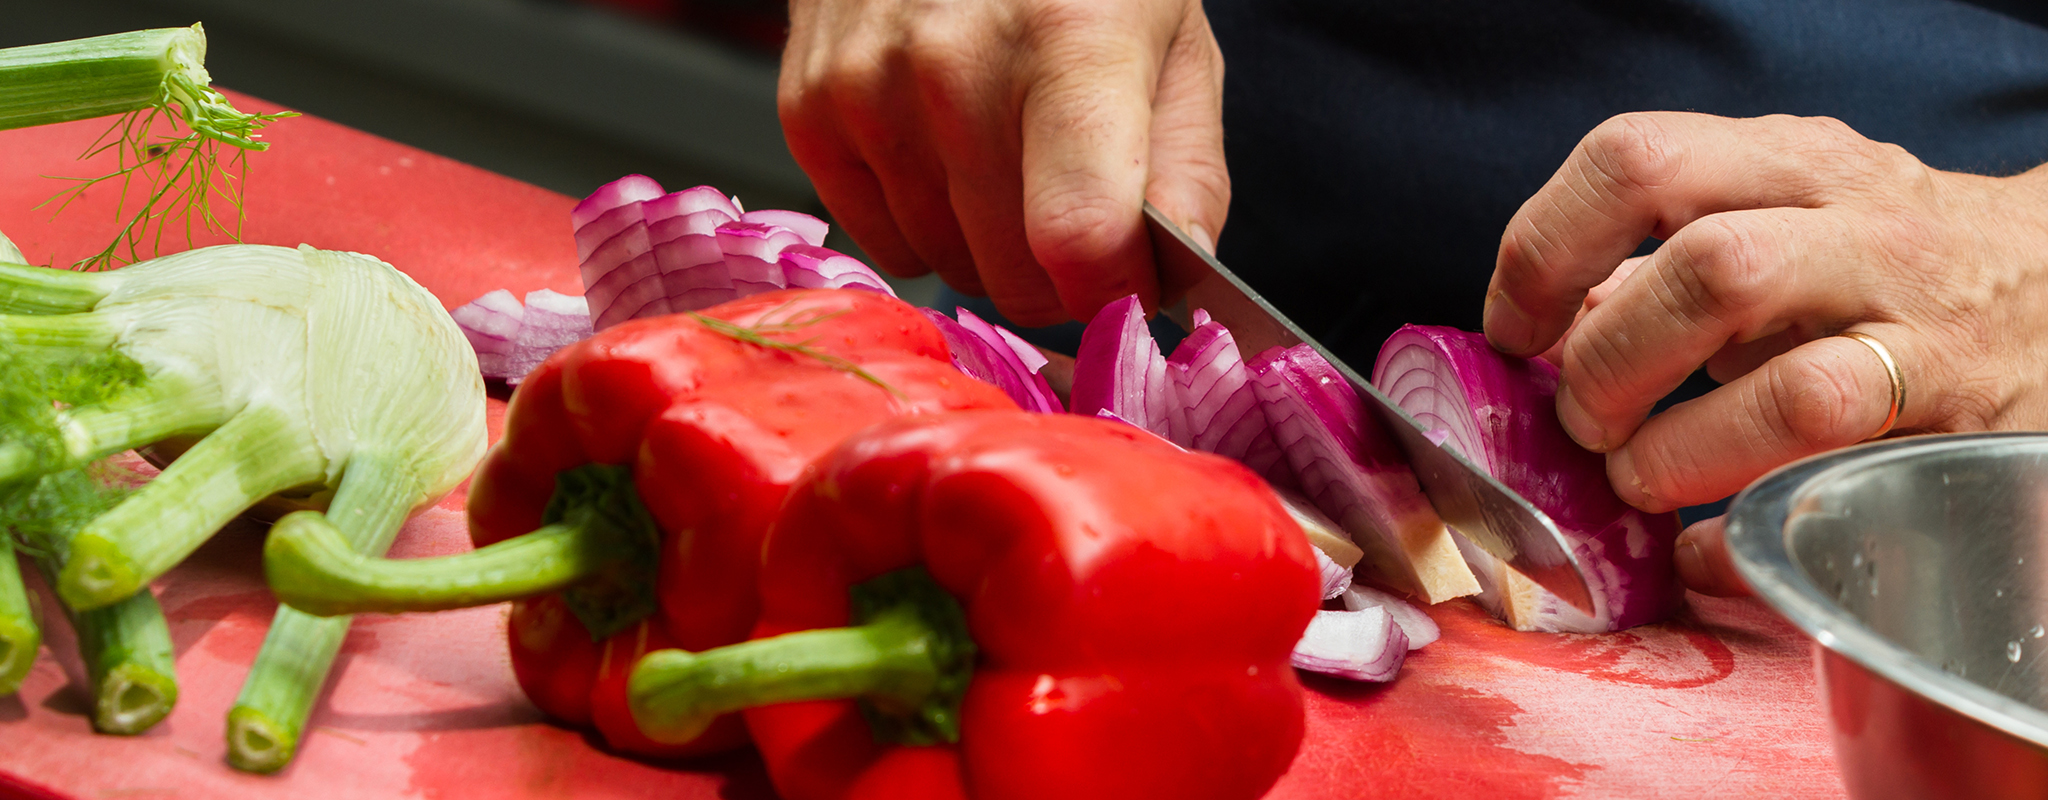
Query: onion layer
[(996, 356), (1498, 412), (1361, 645)]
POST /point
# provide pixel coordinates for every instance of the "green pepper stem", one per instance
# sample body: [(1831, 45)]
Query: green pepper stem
[(269, 717), (675, 695), (259, 452), (19, 636), (312, 569), (41, 290)]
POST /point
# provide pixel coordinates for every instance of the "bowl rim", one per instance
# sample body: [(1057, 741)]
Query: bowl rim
[(1756, 541)]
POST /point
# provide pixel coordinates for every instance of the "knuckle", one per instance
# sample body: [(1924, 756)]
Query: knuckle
[(1724, 270), (1634, 152), (1812, 400)]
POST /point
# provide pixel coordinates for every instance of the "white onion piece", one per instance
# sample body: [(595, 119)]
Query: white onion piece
[(1118, 369), (811, 228), (1360, 645), (1500, 412), (1350, 466), (980, 350), (491, 323), (1416, 625)]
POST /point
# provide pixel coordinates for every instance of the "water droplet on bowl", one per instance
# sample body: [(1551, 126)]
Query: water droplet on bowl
[(2012, 652), (2038, 631)]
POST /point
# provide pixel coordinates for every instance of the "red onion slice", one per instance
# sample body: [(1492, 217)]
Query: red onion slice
[(1350, 466), (626, 190), (1361, 645), (753, 255), (1335, 576), (809, 266), (980, 350), (811, 228), (553, 321), (1118, 369), (1416, 625), (491, 323), (1223, 413), (1499, 412)]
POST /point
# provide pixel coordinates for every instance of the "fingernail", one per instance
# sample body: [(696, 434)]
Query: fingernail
[(1621, 471), (1508, 328), (1691, 563), (1202, 237), (1578, 424)]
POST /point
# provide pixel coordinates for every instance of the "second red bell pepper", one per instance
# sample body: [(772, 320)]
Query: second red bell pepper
[(1040, 605)]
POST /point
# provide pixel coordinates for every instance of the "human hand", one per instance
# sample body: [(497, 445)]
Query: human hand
[(1780, 233), (1009, 144)]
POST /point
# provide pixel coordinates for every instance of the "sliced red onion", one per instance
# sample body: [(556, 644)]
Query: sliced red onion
[(1499, 412), (811, 228), (491, 323), (1118, 369), (753, 255), (1361, 645), (552, 321), (1350, 466), (981, 351), (1223, 412), (1416, 625), (1335, 576), (643, 252), (621, 192), (809, 266)]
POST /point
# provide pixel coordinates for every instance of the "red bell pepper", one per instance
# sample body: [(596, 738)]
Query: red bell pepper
[(1042, 606), (646, 463)]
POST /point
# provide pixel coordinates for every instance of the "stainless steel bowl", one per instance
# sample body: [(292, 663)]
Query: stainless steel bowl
[(1920, 568)]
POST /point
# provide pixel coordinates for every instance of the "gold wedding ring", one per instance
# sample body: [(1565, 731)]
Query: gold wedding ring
[(1891, 370)]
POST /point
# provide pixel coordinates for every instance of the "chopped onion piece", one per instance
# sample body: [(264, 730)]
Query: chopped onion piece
[(1416, 625), (643, 252), (1361, 645), (1499, 412), (981, 351), (1349, 465), (1335, 576), (1119, 370), (1223, 413), (1323, 532), (491, 323), (811, 228), (809, 266), (553, 321)]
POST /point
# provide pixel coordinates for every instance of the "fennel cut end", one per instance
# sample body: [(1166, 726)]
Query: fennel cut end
[(97, 575), (258, 744), (19, 641), (132, 699)]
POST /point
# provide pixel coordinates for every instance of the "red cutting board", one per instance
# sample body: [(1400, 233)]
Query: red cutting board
[(1720, 703)]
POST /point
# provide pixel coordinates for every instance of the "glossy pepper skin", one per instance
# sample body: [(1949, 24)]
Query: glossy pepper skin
[(1133, 605), (715, 429)]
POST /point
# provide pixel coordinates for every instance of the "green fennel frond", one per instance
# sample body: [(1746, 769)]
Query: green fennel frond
[(758, 335)]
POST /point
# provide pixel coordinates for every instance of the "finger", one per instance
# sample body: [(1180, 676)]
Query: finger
[(1087, 117), (1594, 297), (1739, 358), (974, 124), (1828, 393), (878, 104), (1731, 277), (1639, 175), (1703, 562), (845, 183), (1189, 181)]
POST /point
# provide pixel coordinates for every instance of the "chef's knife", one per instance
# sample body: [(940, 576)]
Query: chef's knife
[(1489, 514)]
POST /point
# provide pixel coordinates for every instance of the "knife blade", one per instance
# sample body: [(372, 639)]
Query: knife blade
[(1491, 515)]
